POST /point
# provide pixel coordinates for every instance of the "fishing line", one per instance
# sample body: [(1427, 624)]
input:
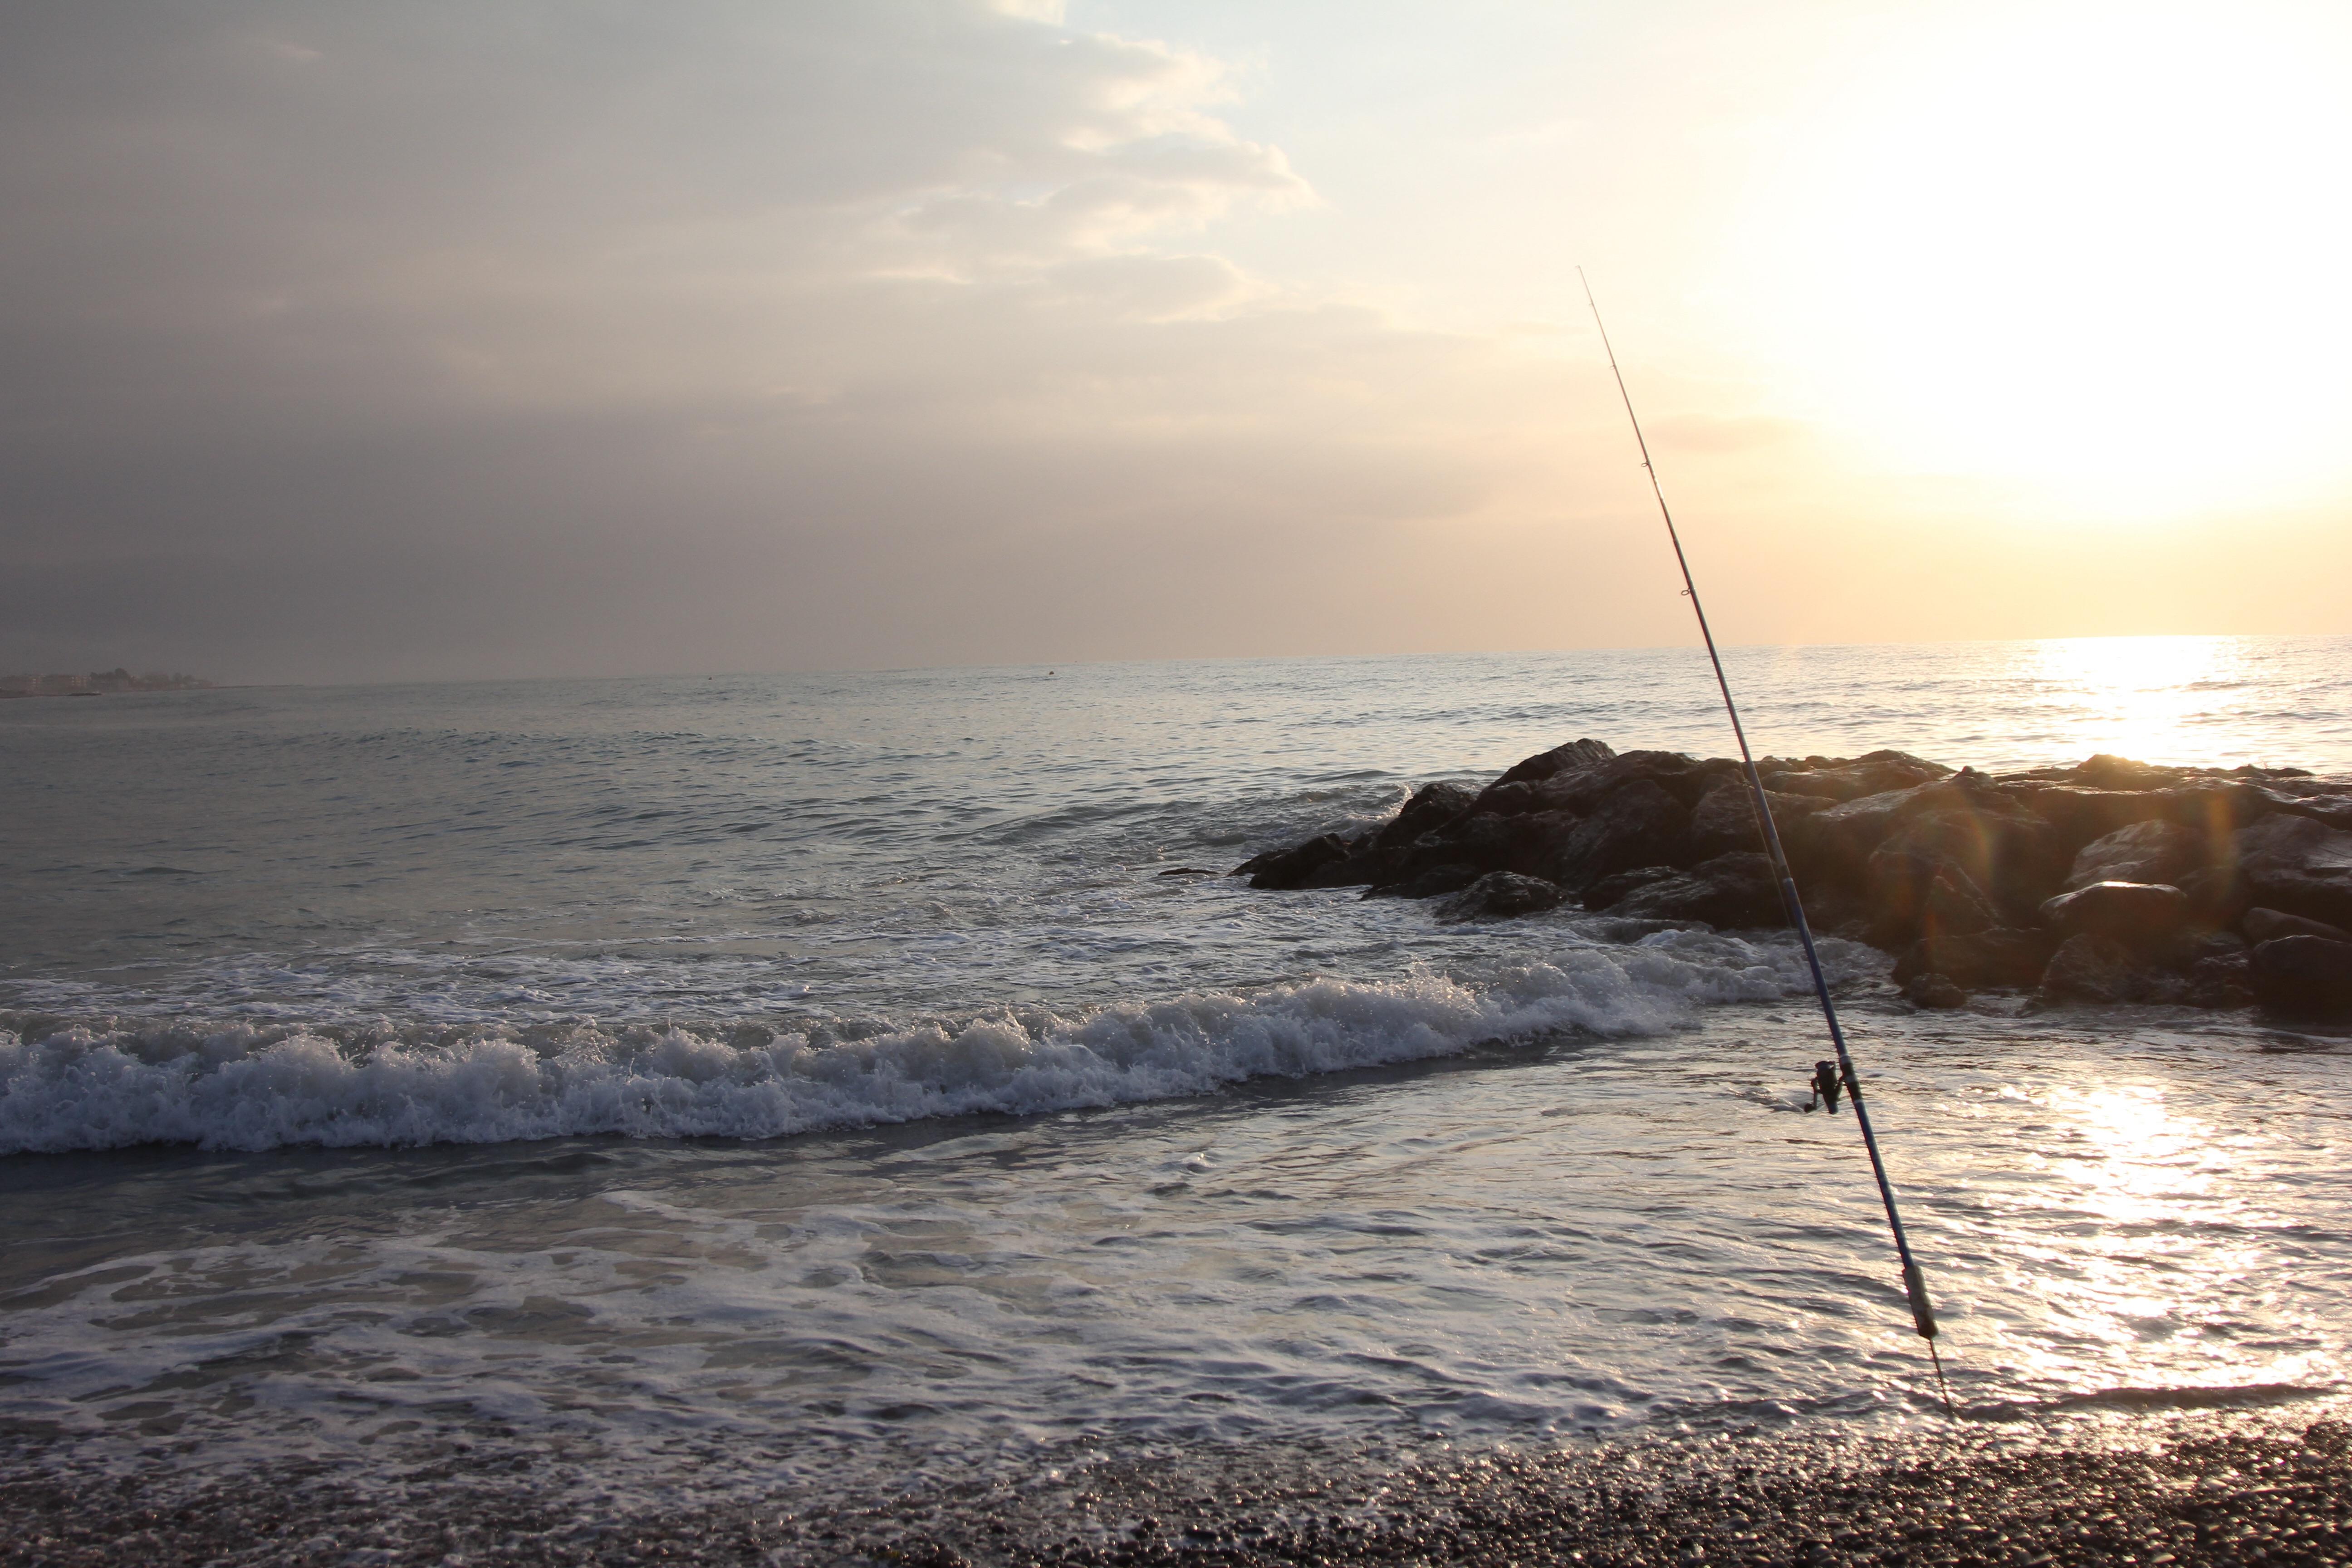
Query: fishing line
[(1915, 1285)]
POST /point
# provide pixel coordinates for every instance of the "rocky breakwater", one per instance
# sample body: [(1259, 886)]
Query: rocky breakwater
[(2107, 882)]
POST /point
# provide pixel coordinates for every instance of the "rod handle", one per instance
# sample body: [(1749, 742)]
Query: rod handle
[(1923, 1312)]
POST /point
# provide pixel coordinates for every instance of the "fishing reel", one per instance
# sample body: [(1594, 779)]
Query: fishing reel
[(1827, 1085)]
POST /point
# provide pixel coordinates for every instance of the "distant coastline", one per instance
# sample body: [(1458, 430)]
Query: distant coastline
[(99, 683)]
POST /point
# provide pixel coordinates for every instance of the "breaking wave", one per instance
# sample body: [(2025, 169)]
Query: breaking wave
[(103, 1083)]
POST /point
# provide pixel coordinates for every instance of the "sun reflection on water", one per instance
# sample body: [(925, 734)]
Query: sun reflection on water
[(2143, 698), (2146, 1243)]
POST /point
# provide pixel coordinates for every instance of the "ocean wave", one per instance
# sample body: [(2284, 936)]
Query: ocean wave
[(104, 1084)]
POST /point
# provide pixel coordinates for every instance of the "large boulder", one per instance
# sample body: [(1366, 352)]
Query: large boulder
[(1499, 895), (1730, 892), (1445, 877), (2106, 772), (1429, 809), (2264, 926), (2298, 866), (1997, 957), (2013, 855), (2244, 801), (2215, 892), (1723, 821), (2008, 852), (2088, 967), (1935, 991), (1606, 893), (1288, 869), (1543, 764), (1358, 867), (2147, 851), (2139, 915), (2215, 809), (1483, 842), (1829, 779), (1638, 824), (2336, 811), (2303, 976), (1386, 856), (2220, 981), (1839, 840), (2081, 816), (1586, 787), (1915, 892)]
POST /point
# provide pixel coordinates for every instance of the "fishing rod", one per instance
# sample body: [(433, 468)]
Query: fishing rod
[(1915, 1285)]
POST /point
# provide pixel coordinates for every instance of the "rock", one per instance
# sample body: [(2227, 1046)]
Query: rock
[(1933, 990), (2303, 976), (1287, 869), (1840, 839), (2088, 967), (1732, 892), (2139, 914), (1587, 787), (2297, 866), (1949, 869), (1429, 809), (1500, 895), (2335, 811), (2012, 855), (2083, 815), (1639, 825), (2111, 773), (2196, 944), (1915, 891), (2225, 980), (1723, 821), (1877, 773), (1605, 893), (2150, 851), (2216, 894), (1356, 869), (2265, 925), (1997, 957), (2237, 803), (1448, 878), (2216, 808), (1484, 843), (1543, 764)]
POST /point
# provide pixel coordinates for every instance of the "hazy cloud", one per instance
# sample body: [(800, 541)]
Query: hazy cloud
[(359, 339), (342, 340)]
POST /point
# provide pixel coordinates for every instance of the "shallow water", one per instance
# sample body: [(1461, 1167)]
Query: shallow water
[(1589, 1238), (619, 1074)]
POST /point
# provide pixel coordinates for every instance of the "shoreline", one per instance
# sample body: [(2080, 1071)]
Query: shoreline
[(2187, 1485)]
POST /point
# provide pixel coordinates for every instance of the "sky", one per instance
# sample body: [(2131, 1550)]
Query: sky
[(342, 340)]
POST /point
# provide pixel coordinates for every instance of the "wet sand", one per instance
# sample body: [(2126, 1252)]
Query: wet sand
[(2204, 1487)]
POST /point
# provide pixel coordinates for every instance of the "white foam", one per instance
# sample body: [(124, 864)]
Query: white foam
[(251, 1088)]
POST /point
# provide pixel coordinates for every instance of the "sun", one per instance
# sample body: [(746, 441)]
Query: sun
[(2097, 252)]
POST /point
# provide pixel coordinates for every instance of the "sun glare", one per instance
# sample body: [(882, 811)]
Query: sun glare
[(2094, 250), (2149, 698)]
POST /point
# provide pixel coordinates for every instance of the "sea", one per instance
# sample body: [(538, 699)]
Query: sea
[(663, 1090)]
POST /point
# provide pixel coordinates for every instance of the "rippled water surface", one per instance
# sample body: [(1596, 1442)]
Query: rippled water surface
[(819, 1075)]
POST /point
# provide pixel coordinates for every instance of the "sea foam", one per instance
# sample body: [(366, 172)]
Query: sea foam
[(106, 1084)]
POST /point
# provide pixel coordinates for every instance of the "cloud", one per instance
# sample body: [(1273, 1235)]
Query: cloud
[(351, 340)]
